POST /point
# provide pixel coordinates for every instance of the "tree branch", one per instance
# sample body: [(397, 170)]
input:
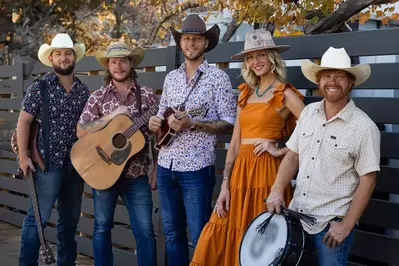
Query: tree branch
[(94, 10), (345, 11), (154, 32), (231, 29)]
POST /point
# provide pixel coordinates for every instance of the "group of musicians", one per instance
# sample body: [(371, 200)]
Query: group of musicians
[(333, 149)]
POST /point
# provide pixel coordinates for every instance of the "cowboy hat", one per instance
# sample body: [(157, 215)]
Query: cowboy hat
[(336, 59), (193, 24), (259, 39), (60, 41), (120, 49)]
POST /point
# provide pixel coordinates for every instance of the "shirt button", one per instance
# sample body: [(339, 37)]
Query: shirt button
[(318, 141), (301, 210), (308, 177), (304, 194), (312, 158), (324, 125)]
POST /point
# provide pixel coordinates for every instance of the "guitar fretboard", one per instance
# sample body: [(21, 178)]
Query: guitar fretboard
[(140, 121)]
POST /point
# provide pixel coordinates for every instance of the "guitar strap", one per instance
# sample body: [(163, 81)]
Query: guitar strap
[(138, 97), (192, 88)]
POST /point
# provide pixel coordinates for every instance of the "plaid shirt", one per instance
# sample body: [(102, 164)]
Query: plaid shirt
[(332, 156)]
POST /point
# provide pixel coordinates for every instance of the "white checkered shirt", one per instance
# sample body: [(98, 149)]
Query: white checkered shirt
[(332, 156)]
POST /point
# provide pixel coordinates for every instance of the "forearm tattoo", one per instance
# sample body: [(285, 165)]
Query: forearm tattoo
[(91, 124), (228, 168), (215, 127)]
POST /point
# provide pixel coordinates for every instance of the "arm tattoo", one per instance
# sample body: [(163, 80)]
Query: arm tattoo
[(228, 168), (214, 127), (91, 124)]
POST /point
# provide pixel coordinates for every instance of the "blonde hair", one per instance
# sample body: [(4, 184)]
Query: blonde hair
[(277, 67)]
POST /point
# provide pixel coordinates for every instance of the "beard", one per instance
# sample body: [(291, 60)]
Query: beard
[(193, 57), (122, 79), (64, 71)]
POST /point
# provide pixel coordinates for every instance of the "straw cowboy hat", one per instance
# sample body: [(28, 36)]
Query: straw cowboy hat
[(193, 24), (336, 59), (61, 40), (120, 49), (259, 39)]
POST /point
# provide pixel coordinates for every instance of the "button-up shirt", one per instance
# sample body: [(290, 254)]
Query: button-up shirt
[(193, 150), (64, 112), (332, 156), (105, 100)]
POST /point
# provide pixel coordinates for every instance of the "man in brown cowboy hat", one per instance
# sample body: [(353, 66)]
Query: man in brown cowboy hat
[(337, 149), (64, 96), (121, 95), (186, 172)]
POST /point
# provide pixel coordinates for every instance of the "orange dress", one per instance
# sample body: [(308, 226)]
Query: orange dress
[(250, 182)]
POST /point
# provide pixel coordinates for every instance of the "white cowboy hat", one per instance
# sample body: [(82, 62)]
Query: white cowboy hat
[(61, 40), (259, 39), (120, 49), (336, 59)]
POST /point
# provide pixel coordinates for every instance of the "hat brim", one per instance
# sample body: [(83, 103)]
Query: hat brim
[(45, 51), (136, 55), (362, 71), (212, 35), (279, 48)]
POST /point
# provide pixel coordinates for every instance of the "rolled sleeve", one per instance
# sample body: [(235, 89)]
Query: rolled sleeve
[(368, 155), (32, 100), (225, 102)]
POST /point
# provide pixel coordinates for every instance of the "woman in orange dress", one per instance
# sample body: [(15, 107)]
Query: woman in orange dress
[(267, 110)]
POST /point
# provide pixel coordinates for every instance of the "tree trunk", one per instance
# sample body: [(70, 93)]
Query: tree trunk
[(231, 29)]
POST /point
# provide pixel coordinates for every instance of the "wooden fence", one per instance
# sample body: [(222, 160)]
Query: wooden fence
[(374, 242)]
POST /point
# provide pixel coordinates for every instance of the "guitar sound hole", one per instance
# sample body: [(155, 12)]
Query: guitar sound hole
[(119, 141)]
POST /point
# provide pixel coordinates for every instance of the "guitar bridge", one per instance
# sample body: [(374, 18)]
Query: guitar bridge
[(103, 155)]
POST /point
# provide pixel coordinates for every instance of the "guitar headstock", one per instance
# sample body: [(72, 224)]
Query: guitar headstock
[(202, 111), (48, 254)]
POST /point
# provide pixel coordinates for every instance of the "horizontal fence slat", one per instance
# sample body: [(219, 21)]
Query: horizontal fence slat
[(14, 103), (153, 80), (14, 184), (9, 70), (8, 166), (375, 247), (92, 82), (154, 57), (387, 180), (379, 42), (10, 86), (381, 213), (9, 116)]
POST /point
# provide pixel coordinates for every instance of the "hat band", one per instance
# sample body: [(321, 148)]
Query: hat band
[(118, 49), (261, 44), (191, 31)]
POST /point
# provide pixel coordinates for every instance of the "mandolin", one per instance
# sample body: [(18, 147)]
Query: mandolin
[(166, 134), (100, 157)]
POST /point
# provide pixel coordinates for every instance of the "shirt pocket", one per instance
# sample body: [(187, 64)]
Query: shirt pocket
[(338, 150), (305, 140)]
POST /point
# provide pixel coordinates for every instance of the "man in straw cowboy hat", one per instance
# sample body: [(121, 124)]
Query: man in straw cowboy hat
[(186, 172), (67, 96), (121, 94), (337, 149)]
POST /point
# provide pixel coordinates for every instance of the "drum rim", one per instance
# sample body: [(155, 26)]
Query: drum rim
[(249, 225)]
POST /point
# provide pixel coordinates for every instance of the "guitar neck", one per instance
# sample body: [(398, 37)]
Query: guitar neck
[(139, 122)]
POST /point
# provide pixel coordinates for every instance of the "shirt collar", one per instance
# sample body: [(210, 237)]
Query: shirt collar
[(203, 67), (111, 87), (344, 114), (52, 77)]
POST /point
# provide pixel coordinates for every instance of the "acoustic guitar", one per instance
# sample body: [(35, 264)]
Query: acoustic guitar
[(166, 134), (100, 157)]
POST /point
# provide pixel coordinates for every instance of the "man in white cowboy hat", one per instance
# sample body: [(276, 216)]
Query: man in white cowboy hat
[(121, 94), (59, 181), (337, 149), (186, 172)]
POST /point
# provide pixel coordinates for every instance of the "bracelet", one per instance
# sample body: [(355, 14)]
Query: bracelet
[(226, 178)]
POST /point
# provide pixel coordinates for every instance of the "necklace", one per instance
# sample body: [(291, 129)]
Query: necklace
[(263, 93)]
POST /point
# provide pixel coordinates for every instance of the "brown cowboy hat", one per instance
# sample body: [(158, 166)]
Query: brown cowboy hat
[(193, 24)]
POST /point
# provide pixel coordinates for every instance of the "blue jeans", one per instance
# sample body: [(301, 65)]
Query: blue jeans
[(66, 185), (337, 256), (185, 197), (136, 195)]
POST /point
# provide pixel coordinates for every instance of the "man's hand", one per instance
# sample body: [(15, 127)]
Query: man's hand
[(155, 123), (181, 124), (25, 163), (274, 201), (337, 233)]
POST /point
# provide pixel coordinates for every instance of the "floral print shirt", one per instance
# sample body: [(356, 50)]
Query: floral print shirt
[(105, 100), (193, 150), (64, 112)]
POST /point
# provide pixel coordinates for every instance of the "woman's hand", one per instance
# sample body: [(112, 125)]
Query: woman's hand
[(223, 201), (266, 146)]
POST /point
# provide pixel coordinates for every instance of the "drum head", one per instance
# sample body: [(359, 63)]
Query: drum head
[(262, 250)]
